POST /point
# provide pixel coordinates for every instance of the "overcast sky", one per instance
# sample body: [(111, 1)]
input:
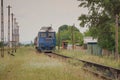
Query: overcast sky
[(33, 14)]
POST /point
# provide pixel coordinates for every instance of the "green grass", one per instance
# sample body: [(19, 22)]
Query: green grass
[(109, 61), (27, 64)]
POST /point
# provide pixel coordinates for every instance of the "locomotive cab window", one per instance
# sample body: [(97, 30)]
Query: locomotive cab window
[(51, 35), (42, 34)]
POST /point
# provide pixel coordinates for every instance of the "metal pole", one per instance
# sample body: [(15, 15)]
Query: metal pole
[(72, 31), (58, 39), (116, 38), (74, 36), (12, 31), (18, 35), (15, 33), (2, 28), (8, 29)]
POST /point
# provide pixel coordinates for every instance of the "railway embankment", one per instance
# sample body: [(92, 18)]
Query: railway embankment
[(80, 54), (27, 64)]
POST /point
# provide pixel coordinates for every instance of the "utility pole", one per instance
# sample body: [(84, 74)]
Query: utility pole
[(12, 31), (72, 32), (8, 29), (2, 28), (116, 38), (18, 35), (59, 39), (15, 33)]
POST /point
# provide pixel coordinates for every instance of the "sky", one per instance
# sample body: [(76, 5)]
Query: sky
[(33, 14)]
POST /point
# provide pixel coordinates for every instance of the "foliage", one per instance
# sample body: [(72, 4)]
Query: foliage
[(63, 27), (87, 33), (66, 34), (1, 44), (101, 20)]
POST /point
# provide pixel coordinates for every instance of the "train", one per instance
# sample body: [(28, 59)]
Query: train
[(45, 41)]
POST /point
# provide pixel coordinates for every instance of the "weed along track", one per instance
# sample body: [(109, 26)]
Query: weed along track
[(27, 65), (104, 72)]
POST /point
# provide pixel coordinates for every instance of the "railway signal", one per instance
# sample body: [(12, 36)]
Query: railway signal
[(2, 28), (8, 29)]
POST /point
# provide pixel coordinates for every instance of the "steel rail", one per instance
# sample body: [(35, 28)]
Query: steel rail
[(109, 73)]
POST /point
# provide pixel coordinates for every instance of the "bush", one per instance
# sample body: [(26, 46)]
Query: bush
[(1, 44)]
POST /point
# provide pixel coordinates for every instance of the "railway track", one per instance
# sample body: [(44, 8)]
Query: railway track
[(105, 72)]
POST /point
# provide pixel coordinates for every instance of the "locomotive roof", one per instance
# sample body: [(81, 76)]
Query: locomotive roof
[(44, 29)]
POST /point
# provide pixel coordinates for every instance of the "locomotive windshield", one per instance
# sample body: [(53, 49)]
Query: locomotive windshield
[(43, 34), (51, 35)]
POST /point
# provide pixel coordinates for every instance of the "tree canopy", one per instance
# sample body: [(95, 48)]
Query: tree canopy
[(101, 20), (66, 34)]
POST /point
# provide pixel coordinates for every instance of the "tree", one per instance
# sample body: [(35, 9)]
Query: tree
[(1, 44), (65, 34), (103, 16), (87, 33)]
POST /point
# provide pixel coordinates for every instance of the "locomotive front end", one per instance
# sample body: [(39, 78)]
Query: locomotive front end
[(47, 40)]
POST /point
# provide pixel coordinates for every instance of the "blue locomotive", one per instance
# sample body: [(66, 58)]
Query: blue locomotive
[(46, 40)]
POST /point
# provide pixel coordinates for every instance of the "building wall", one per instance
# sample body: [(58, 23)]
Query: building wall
[(93, 48)]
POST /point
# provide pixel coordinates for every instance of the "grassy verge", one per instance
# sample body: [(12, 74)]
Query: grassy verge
[(27, 64), (109, 61)]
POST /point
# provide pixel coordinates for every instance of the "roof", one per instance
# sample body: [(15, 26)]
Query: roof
[(49, 29), (90, 40)]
